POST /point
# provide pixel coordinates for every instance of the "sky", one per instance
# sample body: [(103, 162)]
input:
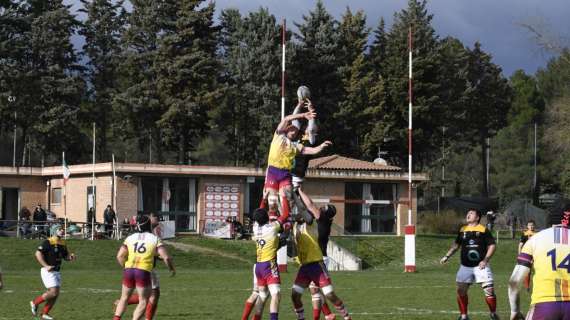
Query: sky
[(494, 23)]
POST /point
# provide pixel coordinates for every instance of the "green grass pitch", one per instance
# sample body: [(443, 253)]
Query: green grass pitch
[(213, 283)]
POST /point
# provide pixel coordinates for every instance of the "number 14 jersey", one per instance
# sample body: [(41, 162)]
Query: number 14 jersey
[(142, 250), (548, 254)]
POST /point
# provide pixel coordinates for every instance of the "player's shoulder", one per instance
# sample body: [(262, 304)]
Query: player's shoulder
[(477, 228), (55, 241)]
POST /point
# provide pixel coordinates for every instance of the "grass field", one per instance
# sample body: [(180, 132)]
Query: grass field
[(214, 278)]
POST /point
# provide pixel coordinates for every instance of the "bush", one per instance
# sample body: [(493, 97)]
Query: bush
[(446, 222)]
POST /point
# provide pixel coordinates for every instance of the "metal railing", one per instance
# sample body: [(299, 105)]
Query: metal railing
[(25, 229)]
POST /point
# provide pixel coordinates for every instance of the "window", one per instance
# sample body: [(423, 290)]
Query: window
[(56, 195), (375, 217)]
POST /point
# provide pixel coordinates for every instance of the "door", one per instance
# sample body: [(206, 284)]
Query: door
[(10, 207)]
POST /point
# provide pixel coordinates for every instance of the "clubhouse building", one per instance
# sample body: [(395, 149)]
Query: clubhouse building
[(370, 198)]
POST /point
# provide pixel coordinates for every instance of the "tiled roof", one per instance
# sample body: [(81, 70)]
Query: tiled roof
[(336, 162)]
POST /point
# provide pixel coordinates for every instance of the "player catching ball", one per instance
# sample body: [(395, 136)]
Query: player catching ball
[(477, 247)]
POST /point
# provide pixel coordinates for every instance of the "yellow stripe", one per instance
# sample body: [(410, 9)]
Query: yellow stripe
[(477, 228)]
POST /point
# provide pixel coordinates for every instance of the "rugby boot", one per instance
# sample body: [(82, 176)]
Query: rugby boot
[(34, 308), (331, 316), (494, 316), (46, 317)]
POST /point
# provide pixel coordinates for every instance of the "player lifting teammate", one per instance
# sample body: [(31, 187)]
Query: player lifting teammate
[(310, 256), (547, 254), (136, 256), (477, 247)]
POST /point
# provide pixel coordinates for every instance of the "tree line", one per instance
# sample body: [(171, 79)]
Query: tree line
[(169, 82)]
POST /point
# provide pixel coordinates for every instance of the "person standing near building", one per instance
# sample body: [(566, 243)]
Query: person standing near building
[(547, 253), (40, 219), (50, 255), (137, 257), (477, 247), (110, 219)]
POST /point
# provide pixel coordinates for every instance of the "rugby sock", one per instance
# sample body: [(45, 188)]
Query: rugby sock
[(492, 303), (462, 302), (342, 309), (274, 316), (257, 317), (316, 314), (285, 206), (47, 307), (39, 300), (300, 312), (246, 310), (133, 299), (116, 317), (325, 308), (150, 310)]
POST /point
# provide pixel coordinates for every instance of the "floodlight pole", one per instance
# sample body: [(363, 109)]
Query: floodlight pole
[(410, 229)]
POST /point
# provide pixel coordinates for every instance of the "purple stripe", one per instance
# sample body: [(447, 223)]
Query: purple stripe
[(556, 235)]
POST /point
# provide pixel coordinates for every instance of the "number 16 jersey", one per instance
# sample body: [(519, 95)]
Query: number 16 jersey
[(548, 254), (142, 250)]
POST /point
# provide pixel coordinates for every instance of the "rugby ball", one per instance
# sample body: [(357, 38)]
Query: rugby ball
[(303, 93)]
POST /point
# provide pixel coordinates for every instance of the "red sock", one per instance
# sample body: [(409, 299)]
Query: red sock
[(133, 299), (462, 302), (246, 310), (527, 282), (326, 309), (39, 300), (150, 310), (285, 206), (492, 303), (116, 317), (316, 314), (47, 307), (256, 317)]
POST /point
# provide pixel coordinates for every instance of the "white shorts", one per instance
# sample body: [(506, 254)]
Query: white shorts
[(51, 279), (154, 282), (474, 274)]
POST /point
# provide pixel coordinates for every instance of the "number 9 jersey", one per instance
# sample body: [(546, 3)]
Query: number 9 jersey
[(142, 250), (547, 253)]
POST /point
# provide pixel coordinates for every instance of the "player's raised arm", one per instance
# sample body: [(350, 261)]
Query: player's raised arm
[(163, 254), (312, 210), (315, 150), (285, 121)]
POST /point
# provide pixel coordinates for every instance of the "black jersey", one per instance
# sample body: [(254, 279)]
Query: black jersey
[(527, 235), (324, 229), (54, 250), (474, 241)]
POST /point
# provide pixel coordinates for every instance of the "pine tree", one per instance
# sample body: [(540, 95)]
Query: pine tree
[(427, 112), (316, 66), (377, 53), (102, 31), (186, 69), (251, 76), (487, 103)]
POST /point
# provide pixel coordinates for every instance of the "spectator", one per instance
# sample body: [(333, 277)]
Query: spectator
[(40, 219), (110, 219), (25, 217), (91, 219)]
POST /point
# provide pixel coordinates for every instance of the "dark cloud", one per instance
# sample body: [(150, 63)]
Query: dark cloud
[(494, 23)]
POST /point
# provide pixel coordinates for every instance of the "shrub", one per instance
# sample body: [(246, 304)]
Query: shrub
[(446, 222)]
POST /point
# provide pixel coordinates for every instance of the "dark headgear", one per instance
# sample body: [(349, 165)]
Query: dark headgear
[(328, 211), (260, 216), (143, 223)]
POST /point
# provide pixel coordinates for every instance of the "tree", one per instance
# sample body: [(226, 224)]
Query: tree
[(487, 103), (377, 53), (428, 109), (317, 65), (186, 69), (102, 31), (251, 77)]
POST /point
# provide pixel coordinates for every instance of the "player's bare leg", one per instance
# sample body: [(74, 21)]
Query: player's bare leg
[(320, 303), (122, 302), (296, 294), (249, 304), (260, 302), (144, 294), (462, 299), (337, 302), (152, 304)]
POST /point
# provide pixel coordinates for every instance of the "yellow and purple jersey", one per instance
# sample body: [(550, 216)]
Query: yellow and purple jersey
[(282, 152), (306, 240), (547, 253), (142, 250), (266, 239)]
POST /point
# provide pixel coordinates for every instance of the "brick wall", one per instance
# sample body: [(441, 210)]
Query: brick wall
[(327, 189), (127, 198), (32, 190)]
